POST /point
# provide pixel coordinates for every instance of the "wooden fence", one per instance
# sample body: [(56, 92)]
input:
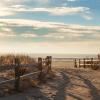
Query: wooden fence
[(93, 63), (20, 70)]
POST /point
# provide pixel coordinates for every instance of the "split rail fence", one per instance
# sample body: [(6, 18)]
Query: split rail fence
[(93, 63), (20, 69)]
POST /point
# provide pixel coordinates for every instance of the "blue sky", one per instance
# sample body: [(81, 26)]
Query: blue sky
[(50, 26)]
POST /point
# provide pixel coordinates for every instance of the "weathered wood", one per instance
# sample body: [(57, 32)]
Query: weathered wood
[(13, 79), (91, 62), (84, 63), (75, 63), (79, 63), (40, 63), (88, 62), (48, 63), (40, 66), (17, 74)]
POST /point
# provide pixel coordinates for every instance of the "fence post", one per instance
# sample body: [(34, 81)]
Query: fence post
[(99, 57), (84, 63), (17, 74), (79, 63), (75, 63), (40, 66), (91, 62), (1, 60), (50, 62)]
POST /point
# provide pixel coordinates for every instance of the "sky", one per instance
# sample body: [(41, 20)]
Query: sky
[(50, 26)]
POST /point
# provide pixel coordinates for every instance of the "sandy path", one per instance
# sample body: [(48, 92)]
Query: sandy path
[(79, 85), (69, 84)]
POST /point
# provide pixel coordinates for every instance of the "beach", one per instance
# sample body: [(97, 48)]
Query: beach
[(68, 83)]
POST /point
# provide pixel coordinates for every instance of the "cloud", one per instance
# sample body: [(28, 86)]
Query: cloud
[(29, 35), (2, 13), (67, 10), (4, 29), (6, 32), (63, 36), (12, 7), (72, 0), (57, 11), (14, 2), (87, 17), (5, 35), (62, 32), (34, 23), (54, 36), (45, 24), (10, 2)]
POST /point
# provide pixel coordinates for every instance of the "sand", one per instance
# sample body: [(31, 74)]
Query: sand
[(69, 83)]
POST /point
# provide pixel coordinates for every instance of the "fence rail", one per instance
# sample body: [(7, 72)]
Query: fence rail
[(93, 63), (20, 77)]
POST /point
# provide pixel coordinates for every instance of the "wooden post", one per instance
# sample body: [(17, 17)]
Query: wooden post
[(84, 63), (1, 60), (50, 62), (99, 57), (17, 74), (75, 63), (79, 63), (91, 62), (40, 66)]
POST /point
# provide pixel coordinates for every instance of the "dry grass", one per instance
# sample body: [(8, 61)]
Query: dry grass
[(9, 59)]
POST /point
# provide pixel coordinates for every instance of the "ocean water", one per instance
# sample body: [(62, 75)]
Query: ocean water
[(65, 56)]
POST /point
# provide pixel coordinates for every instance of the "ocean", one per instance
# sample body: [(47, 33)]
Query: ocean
[(64, 56)]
